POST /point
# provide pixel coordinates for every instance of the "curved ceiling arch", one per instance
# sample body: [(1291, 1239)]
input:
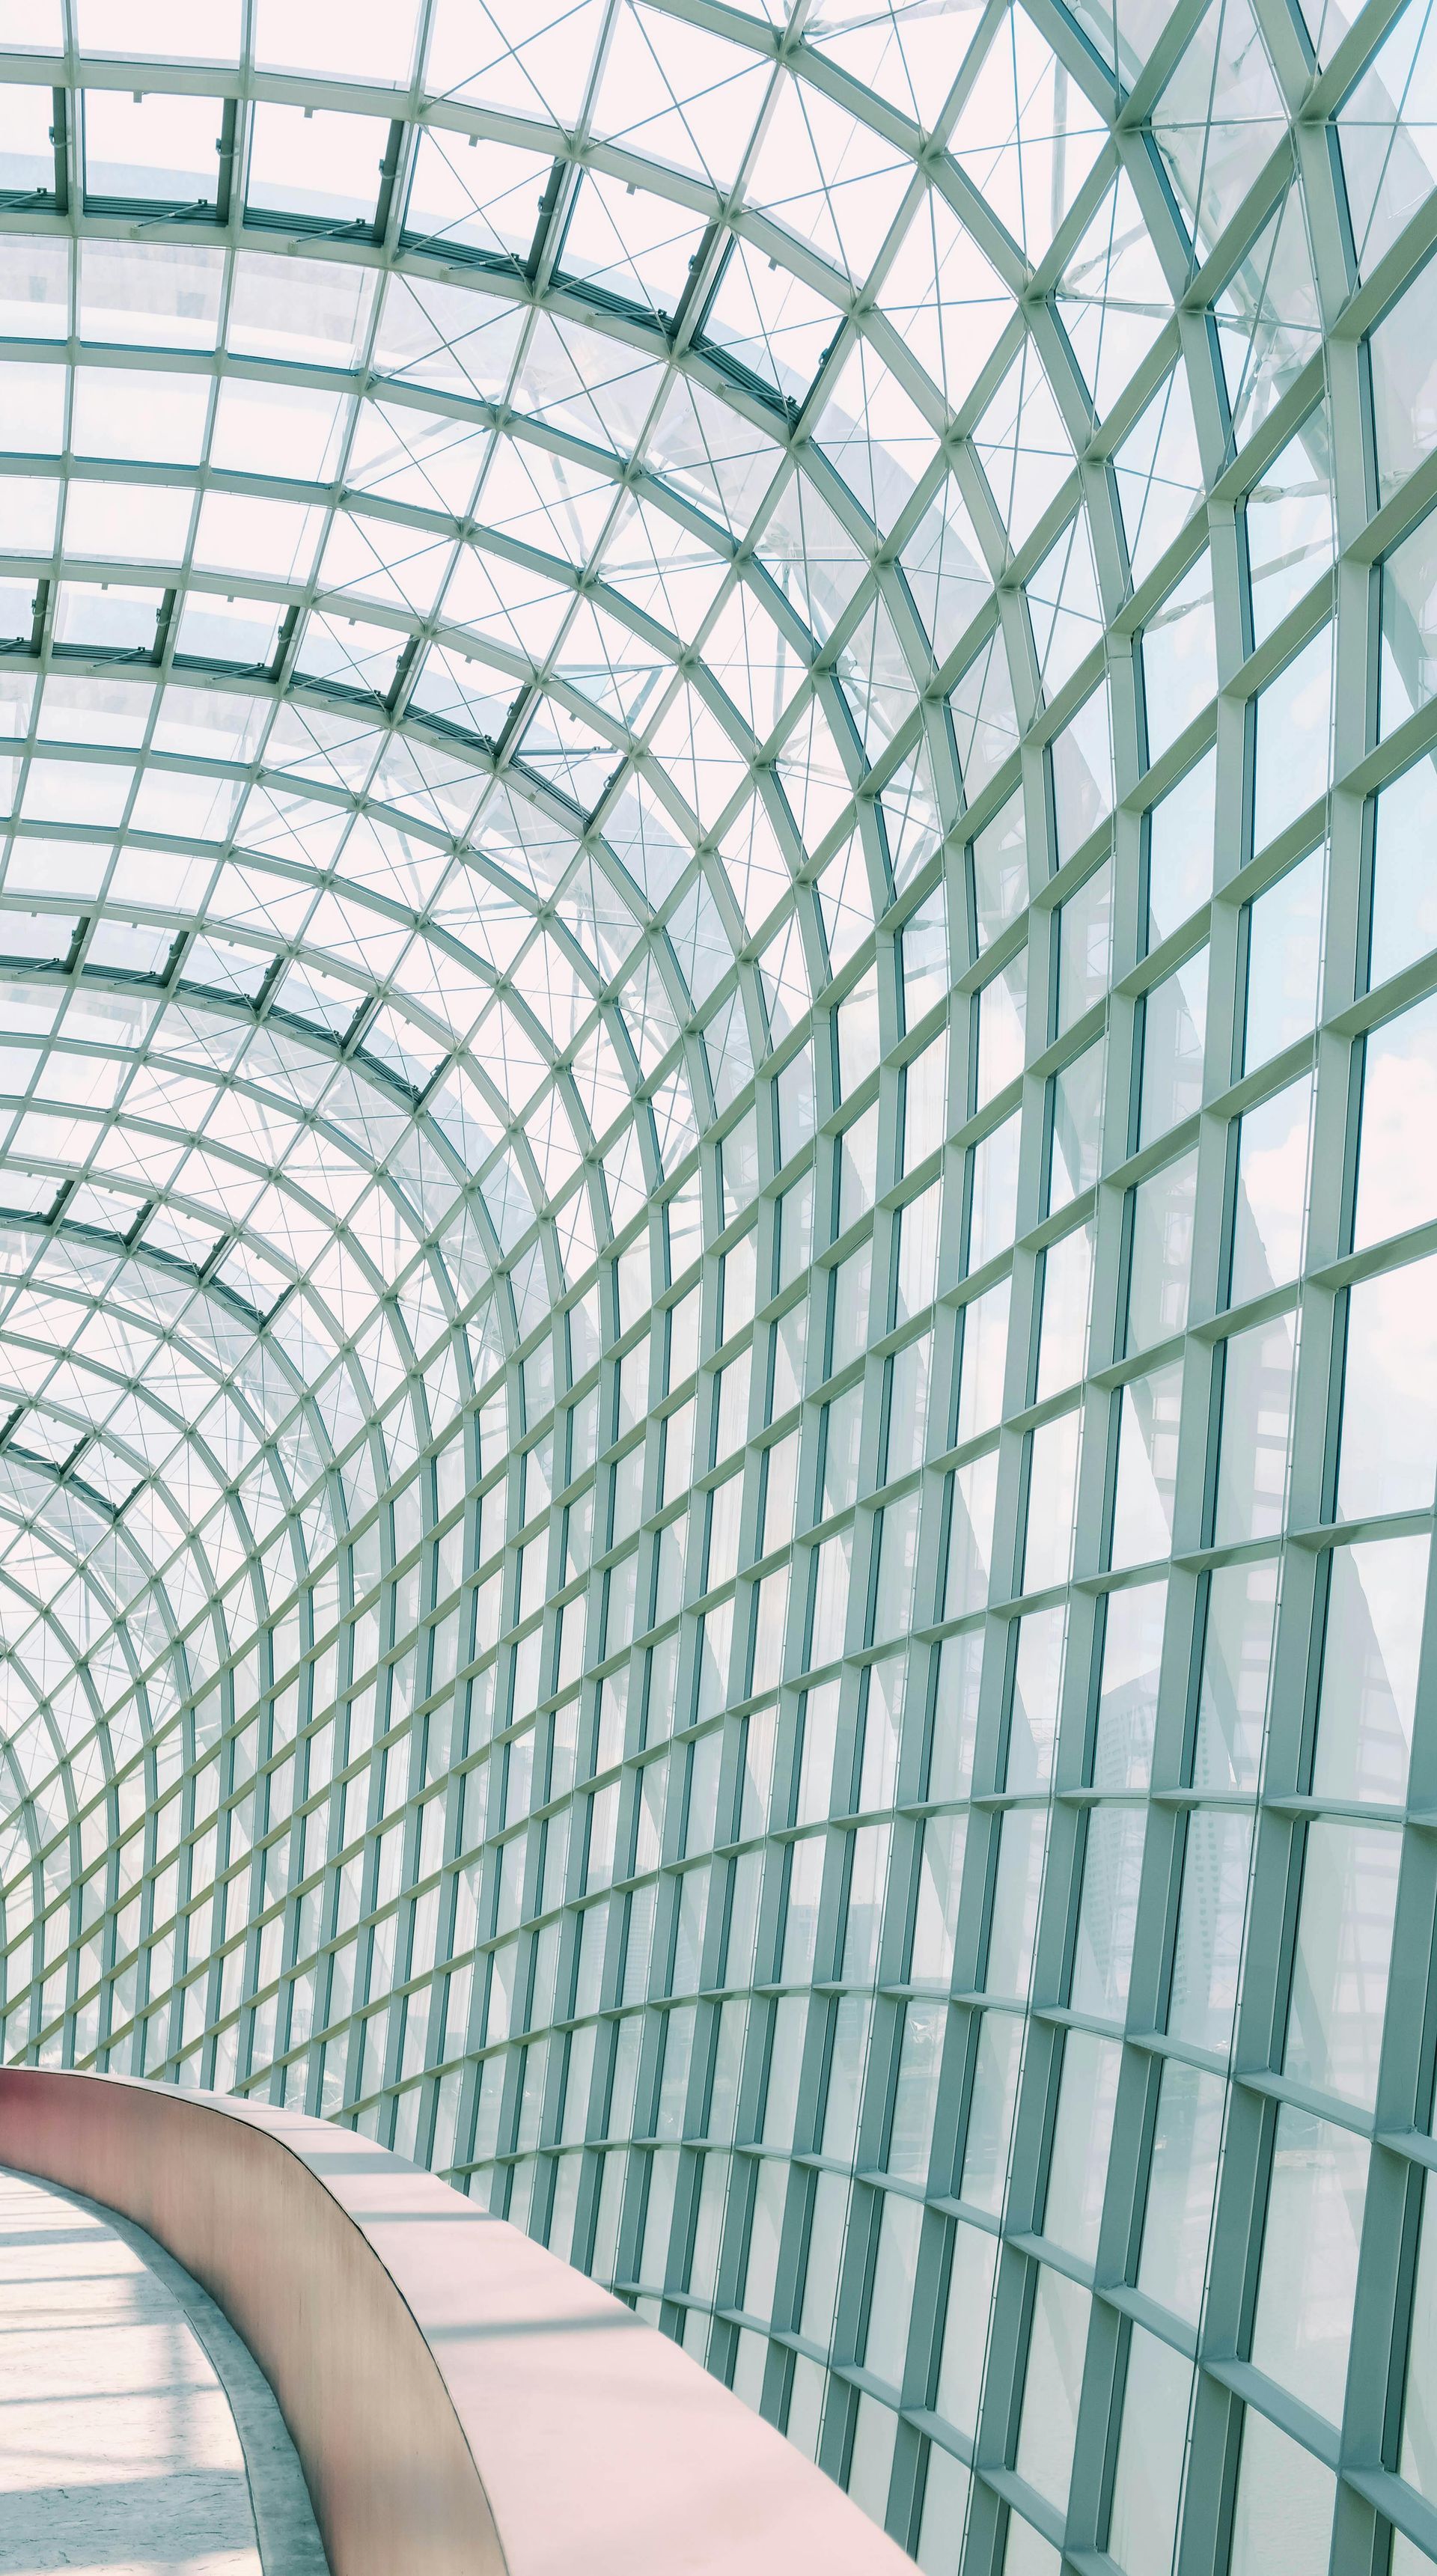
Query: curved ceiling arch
[(475, 682)]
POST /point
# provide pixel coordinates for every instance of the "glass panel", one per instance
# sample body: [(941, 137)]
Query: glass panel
[(1078, 2164), (1417, 2460), (27, 154), (990, 2116), (160, 149), (891, 2297), (1085, 946), (1107, 1916), (1128, 1695), (1270, 1215), (1404, 900), (1174, 1032), (983, 1357), (1257, 1377), (945, 2511), (1208, 1959), (965, 2331), (1148, 2481), (1284, 961), (1372, 1637), (1002, 1007), (1394, 1186), (1236, 1670), (1389, 1395), (1066, 1292), (1182, 2184), (1161, 1256), (994, 1165), (1147, 1466), (1077, 1126), (1407, 625), (1037, 1688), (1293, 759), (1290, 526), (1052, 1495), (1180, 850), (1344, 1942), (1282, 2517), (1047, 2427), (1180, 658), (1315, 2201), (1014, 1921), (339, 158)]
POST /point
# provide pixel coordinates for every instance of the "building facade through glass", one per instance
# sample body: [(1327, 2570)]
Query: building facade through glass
[(718, 1218)]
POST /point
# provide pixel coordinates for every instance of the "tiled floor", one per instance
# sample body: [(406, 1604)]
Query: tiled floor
[(118, 2448)]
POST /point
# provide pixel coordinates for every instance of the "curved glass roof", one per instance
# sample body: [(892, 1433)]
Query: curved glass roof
[(717, 1411), (502, 527)]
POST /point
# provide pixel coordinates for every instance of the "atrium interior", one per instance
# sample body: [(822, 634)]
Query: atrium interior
[(718, 1221)]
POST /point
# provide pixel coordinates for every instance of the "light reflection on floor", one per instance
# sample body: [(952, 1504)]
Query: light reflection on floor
[(118, 2451)]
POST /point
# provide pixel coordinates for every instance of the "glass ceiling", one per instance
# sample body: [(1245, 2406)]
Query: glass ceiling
[(655, 662), (501, 529)]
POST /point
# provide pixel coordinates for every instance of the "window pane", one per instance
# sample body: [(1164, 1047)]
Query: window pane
[(1078, 2166), (1236, 1667), (1002, 1009), (1161, 1255), (1395, 1188), (1371, 1640), (891, 2298), (1269, 1218), (1208, 1959), (1052, 1495), (1181, 850), (1339, 1977), (1128, 1696), (1147, 1467), (1013, 1925), (983, 1325), (1284, 956), (1037, 1689), (1418, 2458), (1077, 1138), (916, 2096), (1107, 1918), (1409, 604), (1048, 2424), (1294, 741), (1258, 1368), (1389, 1395), (1085, 946), (1066, 1291), (1290, 526), (1285, 2498), (1174, 1033), (1308, 2280), (1179, 657), (1148, 2482), (990, 2115), (1404, 899), (1182, 2182), (965, 2332)]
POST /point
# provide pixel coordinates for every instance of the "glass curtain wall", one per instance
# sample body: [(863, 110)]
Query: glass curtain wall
[(718, 1230)]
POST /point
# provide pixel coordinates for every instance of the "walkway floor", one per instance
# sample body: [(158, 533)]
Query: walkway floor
[(124, 2449)]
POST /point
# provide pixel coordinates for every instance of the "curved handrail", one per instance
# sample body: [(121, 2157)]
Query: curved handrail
[(462, 2403)]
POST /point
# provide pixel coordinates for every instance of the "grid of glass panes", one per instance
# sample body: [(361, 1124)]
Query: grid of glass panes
[(720, 1406)]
